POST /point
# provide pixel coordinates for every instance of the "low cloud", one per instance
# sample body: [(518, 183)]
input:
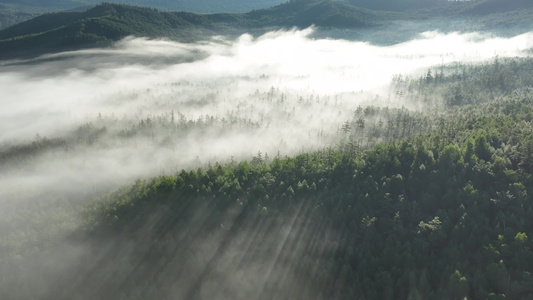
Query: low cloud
[(148, 107)]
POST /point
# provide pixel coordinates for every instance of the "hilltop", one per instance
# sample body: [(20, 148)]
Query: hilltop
[(106, 23)]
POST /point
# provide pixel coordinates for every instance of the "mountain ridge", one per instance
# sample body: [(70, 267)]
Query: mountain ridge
[(107, 22)]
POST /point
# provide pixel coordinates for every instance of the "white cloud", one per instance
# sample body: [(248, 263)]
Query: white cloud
[(317, 83)]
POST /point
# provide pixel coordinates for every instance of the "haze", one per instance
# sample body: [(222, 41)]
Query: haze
[(150, 107)]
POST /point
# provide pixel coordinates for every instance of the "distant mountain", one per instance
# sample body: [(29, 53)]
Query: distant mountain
[(16, 11), (10, 16), (497, 6), (105, 23), (199, 6), (438, 7)]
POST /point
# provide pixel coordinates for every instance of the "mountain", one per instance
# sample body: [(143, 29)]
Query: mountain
[(98, 26), (106, 23), (200, 6), (445, 6), (497, 6), (15, 11)]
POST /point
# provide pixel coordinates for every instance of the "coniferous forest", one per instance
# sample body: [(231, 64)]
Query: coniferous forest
[(440, 212), (281, 165)]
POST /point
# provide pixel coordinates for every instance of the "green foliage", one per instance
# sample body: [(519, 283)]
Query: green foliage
[(469, 84), (382, 188), (406, 216), (481, 148)]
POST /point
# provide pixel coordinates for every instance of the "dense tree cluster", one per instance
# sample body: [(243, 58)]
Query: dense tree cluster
[(462, 84), (437, 217)]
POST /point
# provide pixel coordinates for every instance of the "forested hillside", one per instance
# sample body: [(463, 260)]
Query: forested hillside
[(445, 7), (395, 222), (98, 27), (16, 11), (406, 205), (107, 23)]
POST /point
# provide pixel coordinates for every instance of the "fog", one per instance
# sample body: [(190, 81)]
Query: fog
[(149, 107)]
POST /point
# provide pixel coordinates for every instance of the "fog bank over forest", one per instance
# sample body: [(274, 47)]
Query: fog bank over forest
[(148, 107), (139, 78), (86, 122)]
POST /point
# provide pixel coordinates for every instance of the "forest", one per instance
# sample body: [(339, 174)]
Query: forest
[(421, 192), (439, 211), (321, 162)]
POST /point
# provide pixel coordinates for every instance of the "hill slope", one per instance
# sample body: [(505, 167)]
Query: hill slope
[(446, 216), (445, 6), (110, 22), (96, 27), (15, 11), (437, 220)]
